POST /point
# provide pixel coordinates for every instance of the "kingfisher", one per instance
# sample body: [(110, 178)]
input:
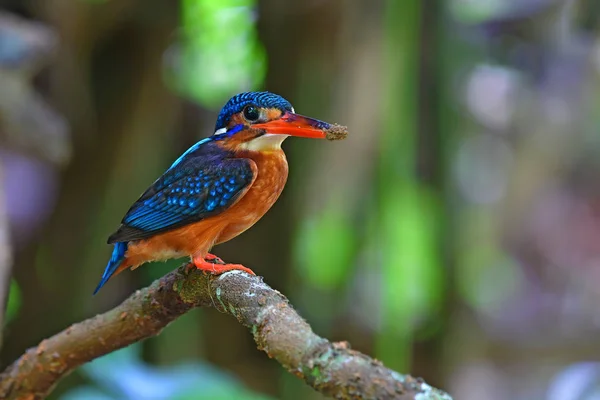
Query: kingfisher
[(217, 189)]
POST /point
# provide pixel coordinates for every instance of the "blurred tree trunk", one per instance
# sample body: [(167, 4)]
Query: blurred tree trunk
[(431, 166), (107, 81)]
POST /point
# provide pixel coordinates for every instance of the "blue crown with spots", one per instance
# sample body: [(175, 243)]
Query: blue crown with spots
[(259, 99)]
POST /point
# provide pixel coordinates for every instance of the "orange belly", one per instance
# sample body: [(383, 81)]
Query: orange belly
[(198, 238)]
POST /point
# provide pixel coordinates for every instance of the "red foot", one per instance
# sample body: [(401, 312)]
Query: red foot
[(217, 268)]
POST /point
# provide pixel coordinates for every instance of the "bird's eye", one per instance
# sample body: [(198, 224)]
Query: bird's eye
[(251, 113)]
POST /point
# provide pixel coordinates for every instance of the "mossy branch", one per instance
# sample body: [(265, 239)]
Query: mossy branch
[(330, 368)]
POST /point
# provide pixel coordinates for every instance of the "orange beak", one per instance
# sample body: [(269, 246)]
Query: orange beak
[(296, 125)]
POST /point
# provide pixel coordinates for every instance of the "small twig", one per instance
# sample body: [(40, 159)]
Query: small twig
[(5, 256), (331, 368)]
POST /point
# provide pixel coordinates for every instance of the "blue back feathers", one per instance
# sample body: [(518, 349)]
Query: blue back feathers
[(260, 99), (188, 151), (203, 183), (188, 194)]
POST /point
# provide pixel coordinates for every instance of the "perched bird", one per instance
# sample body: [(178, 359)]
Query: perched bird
[(217, 189)]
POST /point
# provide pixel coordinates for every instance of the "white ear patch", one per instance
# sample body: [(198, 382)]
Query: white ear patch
[(220, 131), (266, 142)]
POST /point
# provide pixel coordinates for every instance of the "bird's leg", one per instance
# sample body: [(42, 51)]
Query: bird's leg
[(202, 264)]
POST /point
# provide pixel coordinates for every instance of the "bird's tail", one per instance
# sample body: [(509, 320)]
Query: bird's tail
[(117, 257)]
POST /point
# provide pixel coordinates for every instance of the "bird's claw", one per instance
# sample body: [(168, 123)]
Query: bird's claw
[(215, 265), (213, 259)]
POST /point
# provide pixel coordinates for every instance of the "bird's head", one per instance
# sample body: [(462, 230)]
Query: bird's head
[(260, 121)]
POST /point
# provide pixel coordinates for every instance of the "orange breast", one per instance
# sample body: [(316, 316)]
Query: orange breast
[(198, 238), (264, 192)]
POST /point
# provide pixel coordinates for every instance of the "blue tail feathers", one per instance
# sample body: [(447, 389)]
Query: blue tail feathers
[(117, 257)]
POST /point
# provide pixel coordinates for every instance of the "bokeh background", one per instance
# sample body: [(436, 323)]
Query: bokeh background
[(454, 235)]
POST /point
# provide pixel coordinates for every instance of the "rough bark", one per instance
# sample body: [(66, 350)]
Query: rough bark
[(330, 368)]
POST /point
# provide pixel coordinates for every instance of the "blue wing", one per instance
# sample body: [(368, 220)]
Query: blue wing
[(185, 194)]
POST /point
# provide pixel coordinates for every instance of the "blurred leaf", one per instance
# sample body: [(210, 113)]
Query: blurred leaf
[(14, 301), (324, 248), (124, 374), (86, 393), (220, 393), (220, 53), (410, 254), (580, 381), (25, 45), (475, 11), (412, 278)]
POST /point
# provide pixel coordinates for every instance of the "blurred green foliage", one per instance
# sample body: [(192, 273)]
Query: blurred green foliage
[(325, 246), (14, 301), (220, 52), (408, 213), (474, 11)]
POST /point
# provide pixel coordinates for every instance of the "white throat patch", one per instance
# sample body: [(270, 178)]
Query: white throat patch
[(268, 141)]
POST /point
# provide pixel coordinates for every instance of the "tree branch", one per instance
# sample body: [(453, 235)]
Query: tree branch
[(330, 368)]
